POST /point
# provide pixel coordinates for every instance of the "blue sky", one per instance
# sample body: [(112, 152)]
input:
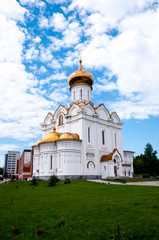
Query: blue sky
[(39, 44)]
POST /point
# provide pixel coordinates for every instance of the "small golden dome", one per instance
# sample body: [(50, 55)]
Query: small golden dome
[(69, 136), (37, 143), (51, 137), (80, 77)]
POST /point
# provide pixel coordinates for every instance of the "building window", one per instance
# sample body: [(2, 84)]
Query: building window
[(81, 94), (115, 140), (89, 134), (50, 162), (103, 137), (60, 120)]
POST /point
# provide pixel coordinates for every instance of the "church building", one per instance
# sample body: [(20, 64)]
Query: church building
[(81, 141)]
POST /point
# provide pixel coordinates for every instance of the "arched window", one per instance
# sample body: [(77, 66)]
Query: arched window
[(81, 94), (61, 120), (103, 137), (115, 140), (50, 162), (89, 134)]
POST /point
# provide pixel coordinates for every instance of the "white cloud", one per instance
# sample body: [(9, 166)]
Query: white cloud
[(56, 43), (43, 22), (72, 34), (22, 103), (12, 10), (37, 3), (56, 76), (37, 39), (45, 54), (58, 21), (8, 147), (55, 64), (42, 69), (131, 55), (32, 53), (10, 44), (58, 97)]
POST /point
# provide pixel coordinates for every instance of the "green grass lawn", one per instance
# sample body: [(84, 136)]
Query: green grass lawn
[(90, 210)]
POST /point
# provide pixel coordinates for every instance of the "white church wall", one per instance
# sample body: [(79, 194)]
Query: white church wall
[(103, 113), (73, 110), (69, 158), (89, 109)]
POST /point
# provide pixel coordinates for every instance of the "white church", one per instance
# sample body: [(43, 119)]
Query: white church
[(81, 141)]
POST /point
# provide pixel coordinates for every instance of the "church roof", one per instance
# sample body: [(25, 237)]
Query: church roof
[(80, 77), (109, 157)]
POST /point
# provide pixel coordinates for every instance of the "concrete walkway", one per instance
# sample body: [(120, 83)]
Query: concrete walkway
[(148, 183)]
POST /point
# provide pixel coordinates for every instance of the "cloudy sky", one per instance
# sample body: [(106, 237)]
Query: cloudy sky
[(39, 43)]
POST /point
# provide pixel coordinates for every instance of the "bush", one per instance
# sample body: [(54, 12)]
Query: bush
[(67, 181), (13, 177), (34, 182), (53, 180), (146, 175), (1, 178)]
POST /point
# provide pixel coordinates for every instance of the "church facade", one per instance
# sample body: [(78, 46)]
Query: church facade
[(81, 141)]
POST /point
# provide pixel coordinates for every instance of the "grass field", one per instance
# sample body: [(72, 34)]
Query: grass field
[(90, 211)]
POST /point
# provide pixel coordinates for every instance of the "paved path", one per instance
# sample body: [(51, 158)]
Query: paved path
[(148, 183)]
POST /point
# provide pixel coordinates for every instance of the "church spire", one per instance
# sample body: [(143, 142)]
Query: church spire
[(80, 65)]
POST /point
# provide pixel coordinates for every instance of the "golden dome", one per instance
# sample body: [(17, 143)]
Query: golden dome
[(69, 136), (51, 137), (80, 77), (37, 143), (56, 136)]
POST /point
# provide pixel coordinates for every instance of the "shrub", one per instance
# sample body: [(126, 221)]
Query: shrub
[(67, 181), (33, 182), (53, 180), (146, 175), (13, 177), (1, 178)]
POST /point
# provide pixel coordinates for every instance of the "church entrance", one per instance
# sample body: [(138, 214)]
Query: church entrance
[(115, 171)]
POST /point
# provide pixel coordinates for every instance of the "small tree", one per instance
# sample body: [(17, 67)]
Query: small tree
[(34, 182), (147, 163), (150, 161), (53, 180)]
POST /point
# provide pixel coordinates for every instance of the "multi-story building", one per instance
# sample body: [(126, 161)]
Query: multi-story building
[(24, 167), (10, 164)]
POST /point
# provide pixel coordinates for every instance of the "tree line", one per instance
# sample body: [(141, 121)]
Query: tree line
[(147, 163)]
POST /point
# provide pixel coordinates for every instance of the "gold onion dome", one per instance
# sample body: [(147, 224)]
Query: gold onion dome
[(51, 137), (37, 143), (69, 136), (55, 136), (80, 77)]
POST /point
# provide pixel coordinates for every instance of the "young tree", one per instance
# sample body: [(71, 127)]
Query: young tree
[(147, 162), (150, 160)]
